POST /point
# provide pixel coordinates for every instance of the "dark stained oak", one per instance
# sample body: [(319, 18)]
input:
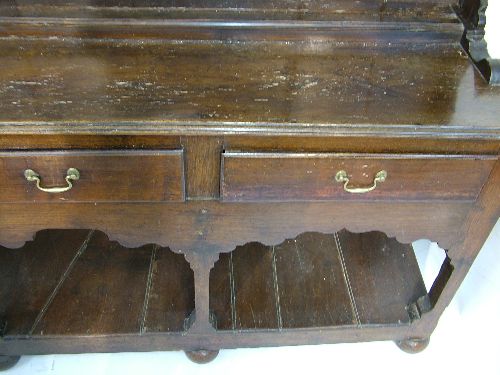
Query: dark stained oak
[(390, 276), (202, 356), (101, 86), (302, 177), (104, 292), (208, 135), (169, 297), (77, 282), (29, 277), (242, 10), (413, 346), (316, 280), (202, 166), (211, 227), (311, 281), (244, 293), (104, 176)]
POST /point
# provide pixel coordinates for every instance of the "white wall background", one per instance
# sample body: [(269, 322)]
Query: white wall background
[(466, 340), (493, 28)]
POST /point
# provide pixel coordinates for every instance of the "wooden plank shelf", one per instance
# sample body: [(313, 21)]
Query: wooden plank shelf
[(316, 280), (77, 282)]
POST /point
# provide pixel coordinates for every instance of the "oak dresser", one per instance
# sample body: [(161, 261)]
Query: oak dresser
[(196, 175)]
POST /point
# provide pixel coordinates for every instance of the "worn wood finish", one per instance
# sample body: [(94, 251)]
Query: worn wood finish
[(242, 10), (147, 89), (87, 142), (362, 144), (247, 86), (211, 227), (146, 285), (104, 176), (293, 176), (202, 356), (78, 283), (311, 281), (29, 277), (103, 292), (316, 280), (202, 167), (369, 258), (244, 292), (169, 296)]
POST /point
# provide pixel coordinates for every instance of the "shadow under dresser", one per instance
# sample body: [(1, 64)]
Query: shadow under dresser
[(201, 176)]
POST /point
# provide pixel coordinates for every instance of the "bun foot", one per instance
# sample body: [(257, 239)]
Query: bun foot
[(412, 346), (202, 356), (8, 361)]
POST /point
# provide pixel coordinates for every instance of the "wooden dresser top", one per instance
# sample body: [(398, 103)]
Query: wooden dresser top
[(247, 67)]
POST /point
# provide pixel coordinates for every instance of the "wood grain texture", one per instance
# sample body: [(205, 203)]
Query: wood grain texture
[(316, 280), (202, 155), (230, 10), (103, 293), (104, 176), (28, 277), (311, 283), (412, 144), (170, 299), (295, 177), (283, 77), (214, 227), (88, 142), (239, 86), (76, 282), (369, 259), (246, 277), (475, 230)]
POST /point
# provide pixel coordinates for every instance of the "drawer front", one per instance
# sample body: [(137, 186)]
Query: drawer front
[(103, 176), (291, 176)]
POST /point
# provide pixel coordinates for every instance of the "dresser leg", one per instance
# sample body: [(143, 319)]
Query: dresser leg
[(8, 361), (201, 264), (202, 356), (413, 346)]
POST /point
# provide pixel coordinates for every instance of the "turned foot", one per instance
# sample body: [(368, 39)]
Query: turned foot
[(202, 356), (412, 346), (8, 361)]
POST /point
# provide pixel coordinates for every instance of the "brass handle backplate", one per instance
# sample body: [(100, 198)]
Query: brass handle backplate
[(341, 176), (71, 175)]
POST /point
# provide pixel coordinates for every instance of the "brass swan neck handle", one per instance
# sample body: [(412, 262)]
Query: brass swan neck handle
[(341, 176), (71, 175)]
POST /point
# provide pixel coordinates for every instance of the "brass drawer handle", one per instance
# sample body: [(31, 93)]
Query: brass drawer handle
[(341, 176), (71, 175)]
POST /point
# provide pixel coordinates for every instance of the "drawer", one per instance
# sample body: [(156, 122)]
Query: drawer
[(127, 175), (292, 176)]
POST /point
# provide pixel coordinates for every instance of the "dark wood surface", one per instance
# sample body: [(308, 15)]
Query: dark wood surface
[(243, 10), (77, 282), (98, 84), (212, 227), (104, 176), (175, 87), (316, 280), (97, 287), (289, 176)]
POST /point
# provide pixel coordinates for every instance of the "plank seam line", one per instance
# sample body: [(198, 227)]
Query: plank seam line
[(61, 281), (346, 278), (233, 292), (276, 292), (147, 293)]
